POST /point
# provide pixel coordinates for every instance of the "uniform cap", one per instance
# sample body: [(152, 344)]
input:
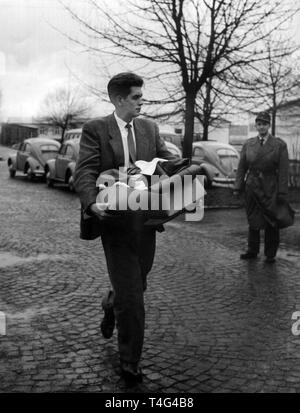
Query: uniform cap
[(264, 117)]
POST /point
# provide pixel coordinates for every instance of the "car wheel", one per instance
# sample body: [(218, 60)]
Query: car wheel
[(44, 177), (30, 174), (49, 181), (71, 183), (12, 171)]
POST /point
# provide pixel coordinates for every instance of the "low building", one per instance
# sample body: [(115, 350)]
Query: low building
[(238, 134), (12, 133), (218, 132), (288, 127)]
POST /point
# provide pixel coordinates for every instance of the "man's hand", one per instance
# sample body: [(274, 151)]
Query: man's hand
[(100, 212), (235, 193)]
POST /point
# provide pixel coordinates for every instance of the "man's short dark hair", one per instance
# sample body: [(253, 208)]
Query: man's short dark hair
[(121, 83)]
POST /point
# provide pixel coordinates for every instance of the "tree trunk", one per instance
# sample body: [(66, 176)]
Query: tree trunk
[(190, 101), (62, 134), (273, 127), (205, 129), (64, 128), (274, 111), (207, 109)]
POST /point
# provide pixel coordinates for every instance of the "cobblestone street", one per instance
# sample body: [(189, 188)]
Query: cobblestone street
[(213, 322)]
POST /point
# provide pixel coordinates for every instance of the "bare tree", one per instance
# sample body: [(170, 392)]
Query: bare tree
[(277, 78), (190, 40), (214, 103), (268, 84), (62, 107)]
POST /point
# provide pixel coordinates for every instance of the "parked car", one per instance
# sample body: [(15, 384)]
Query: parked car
[(173, 138), (218, 161), (62, 167), (173, 149), (31, 156), (167, 137)]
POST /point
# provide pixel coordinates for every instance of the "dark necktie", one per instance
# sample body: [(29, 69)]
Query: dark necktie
[(130, 143), (261, 141)]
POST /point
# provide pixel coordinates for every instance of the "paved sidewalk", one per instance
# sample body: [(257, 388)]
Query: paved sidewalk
[(213, 322)]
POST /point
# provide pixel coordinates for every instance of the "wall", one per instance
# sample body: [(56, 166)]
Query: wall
[(288, 129), (13, 133)]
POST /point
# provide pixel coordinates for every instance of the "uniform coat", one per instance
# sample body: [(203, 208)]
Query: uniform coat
[(263, 174)]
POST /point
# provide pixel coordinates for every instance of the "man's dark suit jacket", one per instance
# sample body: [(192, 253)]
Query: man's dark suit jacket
[(101, 149)]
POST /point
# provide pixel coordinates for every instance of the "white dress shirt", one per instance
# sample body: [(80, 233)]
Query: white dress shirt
[(124, 133)]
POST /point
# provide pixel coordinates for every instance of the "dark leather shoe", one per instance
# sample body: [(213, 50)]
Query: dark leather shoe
[(270, 260), (131, 372), (108, 322), (248, 255)]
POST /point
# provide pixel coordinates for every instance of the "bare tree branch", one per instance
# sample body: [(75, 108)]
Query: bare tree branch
[(201, 40), (62, 107)]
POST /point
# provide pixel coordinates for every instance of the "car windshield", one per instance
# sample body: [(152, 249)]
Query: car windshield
[(48, 151), (228, 159)]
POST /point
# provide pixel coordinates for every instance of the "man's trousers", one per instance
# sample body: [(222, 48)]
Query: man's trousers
[(271, 241), (129, 256)]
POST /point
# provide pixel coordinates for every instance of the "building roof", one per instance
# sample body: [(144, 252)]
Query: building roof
[(294, 102), (78, 130), (25, 125), (28, 125)]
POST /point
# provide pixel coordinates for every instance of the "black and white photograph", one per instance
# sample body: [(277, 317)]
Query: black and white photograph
[(149, 199)]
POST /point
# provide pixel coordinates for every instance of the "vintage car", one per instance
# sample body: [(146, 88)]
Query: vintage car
[(173, 149), (31, 156), (171, 137), (218, 161), (172, 140), (61, 168)]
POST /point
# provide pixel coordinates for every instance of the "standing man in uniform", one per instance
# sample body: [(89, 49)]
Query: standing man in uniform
[(263, 174), (109, 142)]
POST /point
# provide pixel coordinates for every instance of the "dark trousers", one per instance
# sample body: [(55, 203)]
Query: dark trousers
[(129, 256), (271, 240)]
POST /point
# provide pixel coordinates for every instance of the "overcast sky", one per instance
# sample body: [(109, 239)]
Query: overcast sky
[(35, 58)]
